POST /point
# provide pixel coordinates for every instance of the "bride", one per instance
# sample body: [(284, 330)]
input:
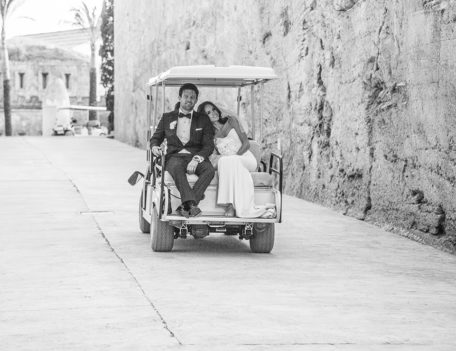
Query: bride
[(234, 162)]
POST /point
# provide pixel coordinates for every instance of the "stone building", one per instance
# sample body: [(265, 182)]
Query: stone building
[(36, 61), (365, 106)]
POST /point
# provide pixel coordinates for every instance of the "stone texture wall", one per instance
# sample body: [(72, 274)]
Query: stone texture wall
[(364, 107), (23, 121)]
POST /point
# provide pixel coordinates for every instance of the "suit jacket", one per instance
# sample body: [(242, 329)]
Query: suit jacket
[(201, 135)]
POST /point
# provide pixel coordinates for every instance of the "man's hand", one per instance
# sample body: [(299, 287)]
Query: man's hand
[(156, 150), (191, 167)]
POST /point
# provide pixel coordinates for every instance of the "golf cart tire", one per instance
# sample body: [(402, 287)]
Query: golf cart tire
[(162, 234), (262, 240), (144, 225)]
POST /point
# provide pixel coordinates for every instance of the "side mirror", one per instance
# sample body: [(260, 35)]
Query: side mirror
[(135, 178)]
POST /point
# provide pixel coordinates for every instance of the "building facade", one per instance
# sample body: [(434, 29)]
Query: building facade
[(36, 62)]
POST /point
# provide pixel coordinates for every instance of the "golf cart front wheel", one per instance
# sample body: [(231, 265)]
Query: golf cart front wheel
[(162, 234), (144, 225), (262, 240)]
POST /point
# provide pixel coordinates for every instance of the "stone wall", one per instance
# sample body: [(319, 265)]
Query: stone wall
[(364, 107), (30, 121), (23, 121)]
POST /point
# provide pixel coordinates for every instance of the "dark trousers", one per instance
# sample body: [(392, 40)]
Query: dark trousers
[(176, 165)]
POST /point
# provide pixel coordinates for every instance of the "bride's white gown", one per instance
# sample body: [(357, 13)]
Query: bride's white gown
[(235, 185)]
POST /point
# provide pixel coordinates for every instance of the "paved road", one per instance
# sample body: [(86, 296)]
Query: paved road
[(76, 273)]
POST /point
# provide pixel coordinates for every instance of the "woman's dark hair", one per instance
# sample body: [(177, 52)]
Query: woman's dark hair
[(188, 86), (201, 107)]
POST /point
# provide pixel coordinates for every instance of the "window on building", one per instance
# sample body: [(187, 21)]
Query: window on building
[(67, 80), (21, 80), (45, 78)]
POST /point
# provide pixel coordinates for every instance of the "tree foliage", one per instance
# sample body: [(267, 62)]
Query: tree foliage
[(7, 7), (86, 18), (107, 54)]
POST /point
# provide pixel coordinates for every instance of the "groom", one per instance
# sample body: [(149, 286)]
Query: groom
[(190, 142)]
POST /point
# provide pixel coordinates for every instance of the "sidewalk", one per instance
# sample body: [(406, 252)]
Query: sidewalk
[(76, 273)]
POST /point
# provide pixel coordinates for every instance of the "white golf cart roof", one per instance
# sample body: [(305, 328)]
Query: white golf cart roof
[(210, 75)]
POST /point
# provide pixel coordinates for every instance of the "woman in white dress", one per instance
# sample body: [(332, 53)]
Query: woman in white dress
[(234, 162)]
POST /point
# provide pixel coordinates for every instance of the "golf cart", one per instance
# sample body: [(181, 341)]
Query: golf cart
[(159, 196)]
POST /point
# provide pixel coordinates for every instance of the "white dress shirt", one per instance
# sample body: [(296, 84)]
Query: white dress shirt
[(183, 129)]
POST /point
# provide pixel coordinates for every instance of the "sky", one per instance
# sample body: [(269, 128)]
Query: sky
[(41, 16)]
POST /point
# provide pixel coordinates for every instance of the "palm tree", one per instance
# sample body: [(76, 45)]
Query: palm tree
[(7, 7), (88, 19)]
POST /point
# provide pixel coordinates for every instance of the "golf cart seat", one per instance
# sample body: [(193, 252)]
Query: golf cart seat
[(260, 179)]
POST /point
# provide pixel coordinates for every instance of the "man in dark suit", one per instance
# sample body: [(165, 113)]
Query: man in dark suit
[(190, 142)]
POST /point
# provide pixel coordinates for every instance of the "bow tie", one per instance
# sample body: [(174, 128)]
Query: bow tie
[(188, 115)]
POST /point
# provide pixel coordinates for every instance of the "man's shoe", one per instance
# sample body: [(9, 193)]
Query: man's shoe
[(180, 210), (194, 211)]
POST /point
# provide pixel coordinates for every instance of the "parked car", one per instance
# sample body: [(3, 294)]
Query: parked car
[(65, 129), (159, 195)]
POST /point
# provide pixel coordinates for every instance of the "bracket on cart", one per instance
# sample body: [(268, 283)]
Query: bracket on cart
[(247, 232), (182, 231)]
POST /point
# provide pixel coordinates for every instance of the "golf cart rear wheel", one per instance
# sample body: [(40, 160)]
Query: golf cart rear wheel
[(144, 225), (162, 234), (262, 240)]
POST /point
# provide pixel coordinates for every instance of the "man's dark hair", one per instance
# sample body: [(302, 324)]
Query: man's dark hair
[(188, 86)]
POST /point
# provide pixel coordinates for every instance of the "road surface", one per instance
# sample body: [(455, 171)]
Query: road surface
[(76, 273)]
